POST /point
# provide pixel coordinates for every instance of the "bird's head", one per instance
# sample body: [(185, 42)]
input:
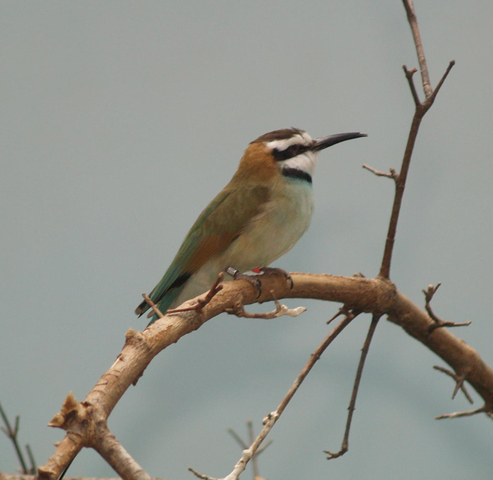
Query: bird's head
[(290, 152)]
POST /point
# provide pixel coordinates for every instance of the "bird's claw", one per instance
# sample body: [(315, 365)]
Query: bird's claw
[(252, 279), (277, 271)]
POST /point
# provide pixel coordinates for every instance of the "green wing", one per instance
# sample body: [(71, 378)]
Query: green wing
[(217, 226)]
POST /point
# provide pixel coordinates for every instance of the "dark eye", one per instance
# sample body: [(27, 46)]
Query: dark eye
[(293, 150), (289, 152)]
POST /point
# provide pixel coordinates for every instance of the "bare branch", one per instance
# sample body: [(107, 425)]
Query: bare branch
[(463, 414), (32, 468), (244, 446), (238, 439), (440, 83), (12, 435), (420, 111), (376, 295), (409, 75), (352, 403), (117, 457), (393, 174), (154, 307), (200, 475), (413, 22)]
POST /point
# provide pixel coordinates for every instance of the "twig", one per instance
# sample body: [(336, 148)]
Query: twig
[(272, 418), (12, 434), (244, 446), (469, 413), (409, 75), (154, 307), (279, 311), (238, 439), (352, 403), (413, 22), (440, 83), (393, 174), (439, 323), (32, 469), (200, 475), (251, 438), (342, 311), (199, 305), (459, 382)]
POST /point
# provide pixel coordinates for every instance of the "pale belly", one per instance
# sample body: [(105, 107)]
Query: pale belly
[(269, 236)]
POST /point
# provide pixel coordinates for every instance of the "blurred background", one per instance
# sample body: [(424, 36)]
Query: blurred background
[(121, 120)]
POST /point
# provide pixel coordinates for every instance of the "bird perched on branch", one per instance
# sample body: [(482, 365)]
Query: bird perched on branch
[(259, 216)]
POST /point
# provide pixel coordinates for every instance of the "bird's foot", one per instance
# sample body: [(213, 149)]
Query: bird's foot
[(275, 271), (252, 279), (259, 271)]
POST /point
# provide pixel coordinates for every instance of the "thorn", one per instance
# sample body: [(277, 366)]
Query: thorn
[(459, 382)]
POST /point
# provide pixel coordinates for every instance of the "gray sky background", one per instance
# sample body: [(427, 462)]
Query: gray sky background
[(121, 120)]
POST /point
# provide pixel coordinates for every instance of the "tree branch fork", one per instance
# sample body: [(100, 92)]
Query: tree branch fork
[(85, 422)]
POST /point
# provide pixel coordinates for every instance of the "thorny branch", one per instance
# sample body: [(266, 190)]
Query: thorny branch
[(420, 111), (400, 183), (401, 177), (80, 420)]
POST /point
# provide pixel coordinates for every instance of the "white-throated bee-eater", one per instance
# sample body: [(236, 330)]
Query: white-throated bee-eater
[(259, 216)]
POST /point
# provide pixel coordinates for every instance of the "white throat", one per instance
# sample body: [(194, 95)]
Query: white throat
[(305, 162)]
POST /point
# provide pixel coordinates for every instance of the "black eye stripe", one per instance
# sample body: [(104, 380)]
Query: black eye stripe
[(290, 152), (296, 173)]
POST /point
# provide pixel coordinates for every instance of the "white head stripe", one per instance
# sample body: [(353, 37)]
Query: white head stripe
[(297, 139)]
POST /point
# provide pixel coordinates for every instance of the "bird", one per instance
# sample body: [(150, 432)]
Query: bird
[(258, 216)]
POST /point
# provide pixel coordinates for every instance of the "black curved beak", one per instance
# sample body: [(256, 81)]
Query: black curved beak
[(324, 142)]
